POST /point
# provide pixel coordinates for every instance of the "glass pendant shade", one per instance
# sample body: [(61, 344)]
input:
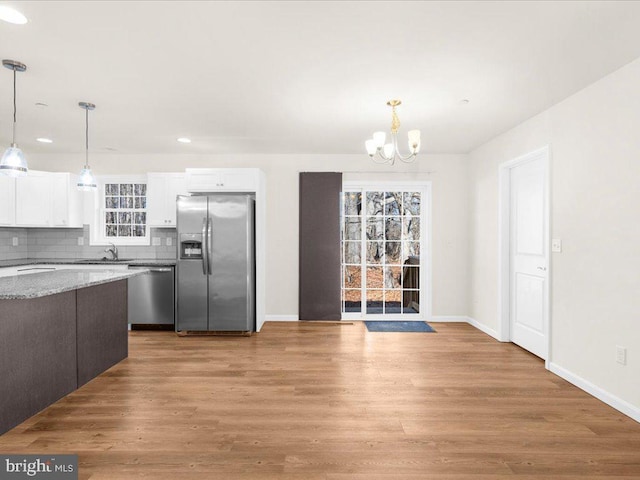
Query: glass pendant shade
[(86, 180), (388, 150), (371, 147), (13, 163), (378, 139), (414, 140)]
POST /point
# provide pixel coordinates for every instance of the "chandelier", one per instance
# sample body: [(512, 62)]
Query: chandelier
[(382, 152)]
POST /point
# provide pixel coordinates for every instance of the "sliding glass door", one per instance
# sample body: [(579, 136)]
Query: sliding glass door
[(384, 252)]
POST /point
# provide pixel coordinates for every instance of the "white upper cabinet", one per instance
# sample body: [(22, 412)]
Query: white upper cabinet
[(222, 179), (7, 200), (33, 200), (66, 201), (162, 190), (44, 199)]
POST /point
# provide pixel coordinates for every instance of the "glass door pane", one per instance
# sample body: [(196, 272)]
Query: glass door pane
[(381, 244)]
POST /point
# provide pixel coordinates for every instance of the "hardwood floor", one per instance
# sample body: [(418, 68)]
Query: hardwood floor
[(304, 401)]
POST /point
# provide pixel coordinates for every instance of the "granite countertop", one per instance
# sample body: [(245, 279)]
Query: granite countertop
[(49, 283), (87, 261)]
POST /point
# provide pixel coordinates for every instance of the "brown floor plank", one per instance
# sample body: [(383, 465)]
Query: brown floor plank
[(305, 402)]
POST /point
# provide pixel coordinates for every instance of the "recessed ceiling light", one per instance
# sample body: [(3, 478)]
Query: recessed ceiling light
[(184, 140), (11, 15), (44, 140)]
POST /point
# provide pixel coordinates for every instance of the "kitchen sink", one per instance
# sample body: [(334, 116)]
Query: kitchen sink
[(104, 260)]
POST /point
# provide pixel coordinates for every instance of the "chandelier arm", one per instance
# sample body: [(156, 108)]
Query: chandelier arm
[(394, 140), (382, 155), (406, 159), (384, 159)]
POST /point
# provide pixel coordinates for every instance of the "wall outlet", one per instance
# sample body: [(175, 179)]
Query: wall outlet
[(556, 245), (156, 241), (621, 355), (169, 241), (80, 241), (15, 241)]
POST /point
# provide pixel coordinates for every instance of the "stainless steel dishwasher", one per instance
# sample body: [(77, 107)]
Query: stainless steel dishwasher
[(152, 296)]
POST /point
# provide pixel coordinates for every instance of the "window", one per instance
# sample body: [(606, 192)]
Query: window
[(120, 211), (125, 210)]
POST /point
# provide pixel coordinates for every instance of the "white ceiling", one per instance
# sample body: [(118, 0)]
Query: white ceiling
[(299, 77)]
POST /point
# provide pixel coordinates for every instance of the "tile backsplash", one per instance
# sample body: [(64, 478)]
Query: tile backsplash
[(63, 243), (7, 250)]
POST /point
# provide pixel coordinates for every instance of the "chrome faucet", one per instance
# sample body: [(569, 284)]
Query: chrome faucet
[(113, 251)]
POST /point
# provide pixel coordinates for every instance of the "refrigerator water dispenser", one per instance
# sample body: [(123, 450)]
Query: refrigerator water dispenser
[(191, 246)]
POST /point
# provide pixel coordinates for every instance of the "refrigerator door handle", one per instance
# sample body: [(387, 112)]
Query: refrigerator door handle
[(205, 251), (209, 244)]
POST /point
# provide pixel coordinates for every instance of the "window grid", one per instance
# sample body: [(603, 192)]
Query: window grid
[(125, 212), (385, 274)]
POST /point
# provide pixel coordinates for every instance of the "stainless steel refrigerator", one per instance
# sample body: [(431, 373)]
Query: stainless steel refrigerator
[(216, 262)]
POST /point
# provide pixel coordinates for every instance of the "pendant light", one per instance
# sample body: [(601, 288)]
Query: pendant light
[(86, 181), (13, 162)]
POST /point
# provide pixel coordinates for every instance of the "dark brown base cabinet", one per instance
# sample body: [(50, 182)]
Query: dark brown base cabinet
[(52, 345)]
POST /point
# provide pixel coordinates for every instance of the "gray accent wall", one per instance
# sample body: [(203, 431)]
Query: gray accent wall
[(319, 249)]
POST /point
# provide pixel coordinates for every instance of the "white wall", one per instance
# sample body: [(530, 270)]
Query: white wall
[(448, 174), (595, 196)]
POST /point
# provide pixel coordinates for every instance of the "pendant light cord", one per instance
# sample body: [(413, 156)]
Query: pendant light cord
[(13, 139), (86, 151)]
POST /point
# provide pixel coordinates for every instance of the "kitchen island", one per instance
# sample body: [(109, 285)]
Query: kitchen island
[(58, 330)]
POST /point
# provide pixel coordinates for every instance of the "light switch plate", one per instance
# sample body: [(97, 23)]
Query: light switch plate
[(15, 241), (169, 241), (80, 241), (156, 241), (556, 245), (621, 355)]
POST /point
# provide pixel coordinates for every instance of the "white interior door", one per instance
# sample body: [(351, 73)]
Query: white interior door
[(529, 255)]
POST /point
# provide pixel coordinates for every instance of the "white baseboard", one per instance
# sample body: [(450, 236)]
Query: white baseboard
[(483, 328), (621, 405), (281, 318), (601, 394)]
